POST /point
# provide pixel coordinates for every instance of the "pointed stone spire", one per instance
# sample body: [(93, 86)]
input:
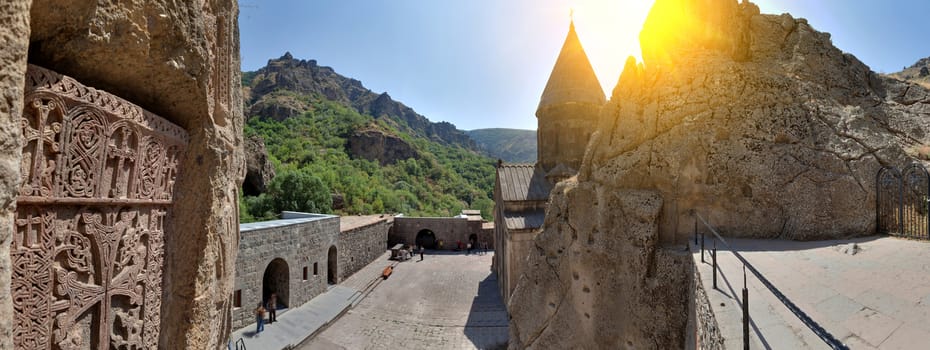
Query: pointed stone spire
[(569, 108), (572, 78)]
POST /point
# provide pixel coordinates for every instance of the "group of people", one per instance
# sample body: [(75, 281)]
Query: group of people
[(272, 310)]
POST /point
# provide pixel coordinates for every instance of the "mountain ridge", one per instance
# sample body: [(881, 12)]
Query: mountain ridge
[(509, 145), (308, 77)]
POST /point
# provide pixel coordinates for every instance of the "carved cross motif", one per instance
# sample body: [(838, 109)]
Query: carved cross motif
[(42, 134), (122, 153), (88, 249)]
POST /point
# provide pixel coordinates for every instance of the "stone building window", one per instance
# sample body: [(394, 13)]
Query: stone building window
[(237, 298), (305, 273), (316, 269)]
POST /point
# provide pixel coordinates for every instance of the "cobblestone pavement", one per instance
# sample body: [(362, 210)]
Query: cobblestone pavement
[(447, 301)]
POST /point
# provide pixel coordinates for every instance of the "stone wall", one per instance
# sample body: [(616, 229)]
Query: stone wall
[(706, 331), (301, 242), (359, 246), (449, 230)]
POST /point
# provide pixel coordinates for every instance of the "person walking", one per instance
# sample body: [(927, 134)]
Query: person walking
[(421, 253), (259, 319), (273, 308)]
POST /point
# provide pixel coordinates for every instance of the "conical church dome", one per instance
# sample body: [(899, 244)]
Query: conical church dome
[(572, 78)]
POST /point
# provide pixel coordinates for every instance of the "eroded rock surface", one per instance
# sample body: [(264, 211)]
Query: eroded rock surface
[(258, 171), (14, 43), (600, 279), (379, 146), (179, 60), (756, 121)]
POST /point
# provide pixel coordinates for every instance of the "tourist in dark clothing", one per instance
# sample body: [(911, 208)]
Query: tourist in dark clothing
[(272, 308), (421, 253)]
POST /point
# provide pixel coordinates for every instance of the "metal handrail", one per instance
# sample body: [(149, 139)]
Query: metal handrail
[(822, 333)]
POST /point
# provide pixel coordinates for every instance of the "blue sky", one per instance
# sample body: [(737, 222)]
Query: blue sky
[(484, 63)]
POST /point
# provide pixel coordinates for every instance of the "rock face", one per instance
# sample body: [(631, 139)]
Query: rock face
[(600, 279), (379, 146), (258, 170), (306, 77), (919, 72), (179, 60), (13, 50), (277, 107), (755, 121)]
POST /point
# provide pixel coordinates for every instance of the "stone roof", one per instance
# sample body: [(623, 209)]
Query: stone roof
[(522, 220), (572, 78), (523, 182)]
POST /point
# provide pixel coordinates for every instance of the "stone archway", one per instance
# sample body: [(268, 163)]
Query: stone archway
[(426, 238), (331, 267), (276, 280)]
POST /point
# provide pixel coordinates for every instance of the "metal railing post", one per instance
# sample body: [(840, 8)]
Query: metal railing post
[(695, 229), (702, 248), (713, 256), (745, 312)]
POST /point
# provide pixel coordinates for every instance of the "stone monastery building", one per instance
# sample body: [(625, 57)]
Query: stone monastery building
[(567, 114)]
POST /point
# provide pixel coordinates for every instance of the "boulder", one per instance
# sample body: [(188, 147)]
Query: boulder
[(258, 169), (379, 146)]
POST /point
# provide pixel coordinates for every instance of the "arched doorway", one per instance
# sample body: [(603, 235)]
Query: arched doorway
[(332, 268), (276, 280), (426, 239)]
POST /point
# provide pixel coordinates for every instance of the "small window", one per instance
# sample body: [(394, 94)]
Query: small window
[(237, 298), (305, 273), (316, 270)]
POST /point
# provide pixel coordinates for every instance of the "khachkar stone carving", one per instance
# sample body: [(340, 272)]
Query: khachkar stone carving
[(87, 253)]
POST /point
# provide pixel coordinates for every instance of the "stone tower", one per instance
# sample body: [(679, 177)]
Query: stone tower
[(568, 108)]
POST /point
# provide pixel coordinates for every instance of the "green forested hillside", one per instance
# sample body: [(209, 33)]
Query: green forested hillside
[(511, 145), (310, 157)]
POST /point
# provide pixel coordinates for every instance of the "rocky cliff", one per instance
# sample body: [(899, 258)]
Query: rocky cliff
[(379, 146), (258, 168), (919, 73), (308, 78), (756, 121)]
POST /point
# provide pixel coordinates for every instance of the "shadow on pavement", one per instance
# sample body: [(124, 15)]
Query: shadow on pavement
[(487, 324)]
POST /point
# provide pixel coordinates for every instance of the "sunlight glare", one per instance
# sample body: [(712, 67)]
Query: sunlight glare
[(609, 31)]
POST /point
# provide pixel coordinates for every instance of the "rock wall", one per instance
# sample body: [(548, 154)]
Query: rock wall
[(14, 36), (179, 60), (379, 146), (599, 278), (300, 245), (359, 246), (756, 121), (259, 170)]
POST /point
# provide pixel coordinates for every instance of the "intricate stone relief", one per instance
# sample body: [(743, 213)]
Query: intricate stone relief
[(97, 178)]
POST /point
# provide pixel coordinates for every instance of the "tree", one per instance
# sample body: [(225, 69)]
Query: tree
[(299, 190)]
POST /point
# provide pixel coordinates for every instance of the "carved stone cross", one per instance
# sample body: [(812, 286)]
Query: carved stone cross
[(122, 153)]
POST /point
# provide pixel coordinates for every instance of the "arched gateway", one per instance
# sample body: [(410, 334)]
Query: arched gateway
[(426, 238), (331, 267), (276, 280)]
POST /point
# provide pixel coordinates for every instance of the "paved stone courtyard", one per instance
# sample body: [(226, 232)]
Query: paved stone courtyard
[(878, 298), (447, 301)]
